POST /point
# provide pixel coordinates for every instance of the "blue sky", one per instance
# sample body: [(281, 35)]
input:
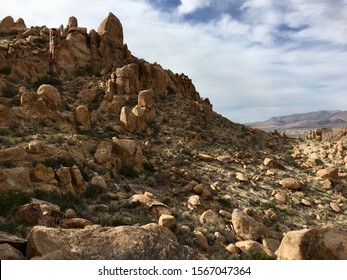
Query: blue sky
[(254, 59)]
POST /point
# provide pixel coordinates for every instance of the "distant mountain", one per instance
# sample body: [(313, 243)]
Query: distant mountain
[(310, 120)]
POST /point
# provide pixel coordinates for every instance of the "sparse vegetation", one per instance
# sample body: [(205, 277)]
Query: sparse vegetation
[(11, 200), (6, 70), (47, 80), (128, 171)]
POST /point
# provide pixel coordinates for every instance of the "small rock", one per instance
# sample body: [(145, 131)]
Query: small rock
[(194, 202), (201, 240), (167, 221), (281, 197), (241, 177), (219, 238), (335, 207), (198, 189), (205, 157), (225, 214), (248, 246), (327, 185), (70, 213), (305, 202), (271, 213), (269, 162)]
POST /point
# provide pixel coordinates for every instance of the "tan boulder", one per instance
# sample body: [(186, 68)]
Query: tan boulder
[(212, 218), (290, 183), (205, 157), (99, 181), (313, 244), (65, 179), (271, 244), (7, 252), (201, 240), (103, 154), (250, 246), (18, 177), (167, 221), (248, 228), (329, 173), (50, 96), (36, 147), (129, 152), (77, 44), (111, 35), (194, 202), (82, 116), (123, 242), (72, 22), (128, 119), (44, 174), (77, 179), (74, 223), (30, 213), (7, 24)]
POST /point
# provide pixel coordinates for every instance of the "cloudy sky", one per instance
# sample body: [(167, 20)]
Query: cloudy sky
[(253, 59)]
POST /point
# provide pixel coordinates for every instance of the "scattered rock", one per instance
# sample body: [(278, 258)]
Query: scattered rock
[(7, 252), (201, 240), (250, 246)]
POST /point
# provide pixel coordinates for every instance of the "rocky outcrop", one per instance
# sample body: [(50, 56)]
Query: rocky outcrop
[(138, 119), (313, 244), (110, 243)]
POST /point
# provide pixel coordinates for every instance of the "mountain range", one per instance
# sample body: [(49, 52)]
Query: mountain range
[(311, 120)]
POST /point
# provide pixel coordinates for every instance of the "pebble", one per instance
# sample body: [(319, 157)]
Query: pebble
[(335, 207)]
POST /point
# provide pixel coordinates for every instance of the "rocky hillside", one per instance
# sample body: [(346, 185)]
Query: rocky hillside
[(106, 156), (302, 123)]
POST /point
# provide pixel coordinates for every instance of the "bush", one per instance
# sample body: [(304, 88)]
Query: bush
[(6, 70), (64, 201), (10, 201), (255, 256), (47, 80), (128, 171), (9, 91), (56, 162), (93, 192), (12, 227)]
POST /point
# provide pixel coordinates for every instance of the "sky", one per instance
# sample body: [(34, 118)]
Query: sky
[(254, 59)]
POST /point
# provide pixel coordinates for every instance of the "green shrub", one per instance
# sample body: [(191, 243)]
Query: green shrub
[(64, 201), (93, 192), (128, 171), (11, 200), (56, 162), (9, 91), (12, 227), (6, 70), (148, 167), (47, 80)]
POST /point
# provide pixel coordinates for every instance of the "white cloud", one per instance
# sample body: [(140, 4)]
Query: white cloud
[(188, 6), (240, 62)]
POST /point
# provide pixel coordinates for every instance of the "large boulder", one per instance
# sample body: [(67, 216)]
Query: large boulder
[(314, 244), (248, 228), (50, 96), (111, 35), (110, 243)]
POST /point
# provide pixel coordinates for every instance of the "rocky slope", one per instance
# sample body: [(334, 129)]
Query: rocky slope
[(101, 147)]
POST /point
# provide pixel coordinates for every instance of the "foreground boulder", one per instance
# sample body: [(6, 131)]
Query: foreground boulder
[(106, 243), (314, 244)]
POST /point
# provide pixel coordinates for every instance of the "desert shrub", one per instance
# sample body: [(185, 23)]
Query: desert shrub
[(6, 70), (11, 200), (128, 171), (64, 201), (9, 91), (93, 192), (56, 162), (12, 227), (148, 167), (47, 80)]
